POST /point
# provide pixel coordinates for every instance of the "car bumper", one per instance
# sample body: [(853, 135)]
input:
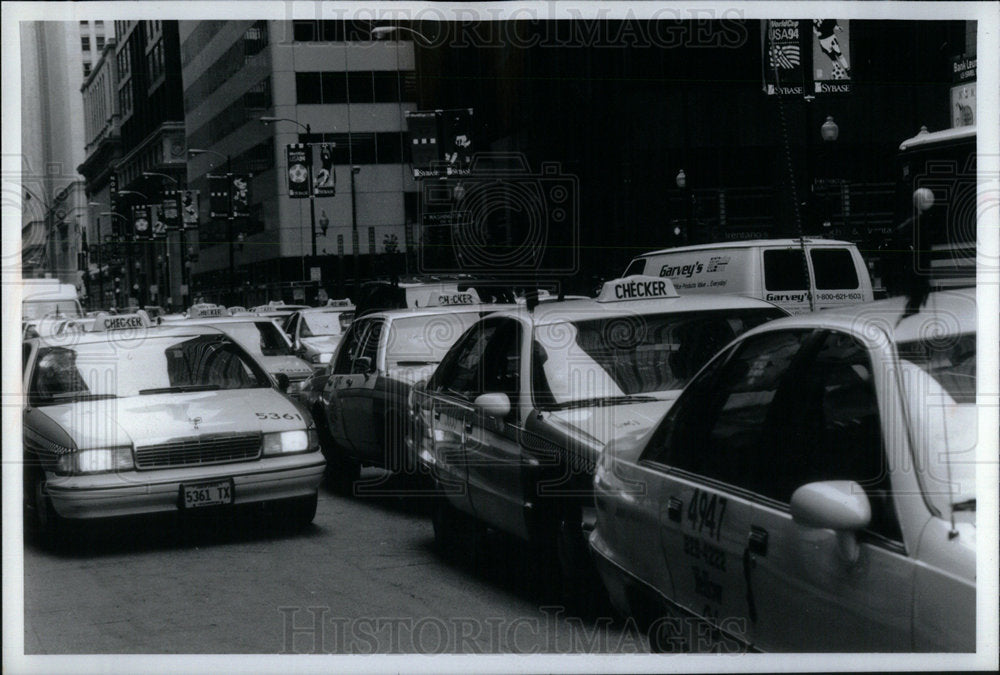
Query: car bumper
[(148, 492)]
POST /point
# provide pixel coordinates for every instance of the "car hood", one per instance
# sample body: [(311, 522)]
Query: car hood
[(609, 422), (321, 344), (292, 366), (157, 418)]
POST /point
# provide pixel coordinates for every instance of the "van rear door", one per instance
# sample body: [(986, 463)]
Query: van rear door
[(786, 278), (839, 276)]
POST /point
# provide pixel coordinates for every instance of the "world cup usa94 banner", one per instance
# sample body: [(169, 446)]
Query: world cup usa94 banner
[(784, 70), (806, 57), (831, 47)]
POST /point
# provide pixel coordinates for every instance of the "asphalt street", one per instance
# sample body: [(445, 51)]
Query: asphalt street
[(364, 578)]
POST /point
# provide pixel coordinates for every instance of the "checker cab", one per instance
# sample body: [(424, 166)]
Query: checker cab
[(126, 419), (516, 415)]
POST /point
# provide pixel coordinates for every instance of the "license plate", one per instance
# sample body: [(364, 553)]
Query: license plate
[(207, 494)]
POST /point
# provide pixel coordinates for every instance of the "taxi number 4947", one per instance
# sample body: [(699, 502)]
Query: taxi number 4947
[(207, 494), (707, 512)]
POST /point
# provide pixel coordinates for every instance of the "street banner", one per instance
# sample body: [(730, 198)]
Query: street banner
[(218, 196), (831, 50), (116, 228), (784, 74), (190, 209), (324, 175), (171, 210), (159, 226), (422, 127), (456, 141), (963, 91), (299, 174), (140, 222), (239, 199)]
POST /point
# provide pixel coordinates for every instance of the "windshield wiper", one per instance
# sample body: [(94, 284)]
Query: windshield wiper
[(967, 505), (415, 363), (598, 401), (180, 388), (79, 396)]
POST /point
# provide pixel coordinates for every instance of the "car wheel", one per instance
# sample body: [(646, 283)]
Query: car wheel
[(40, 516), (294, 514)]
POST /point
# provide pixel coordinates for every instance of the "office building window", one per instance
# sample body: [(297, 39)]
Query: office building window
[(87, 67), (99, 42), (85, 43), (360, 88), (334, 87), (258, 96), (386, 86), (355, 87), (307, 88)]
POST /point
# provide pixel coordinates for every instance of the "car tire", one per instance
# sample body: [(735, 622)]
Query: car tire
[(40, 516), (295, 514)]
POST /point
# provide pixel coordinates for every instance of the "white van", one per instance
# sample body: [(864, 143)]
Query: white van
[(48, 298), (768, 269)]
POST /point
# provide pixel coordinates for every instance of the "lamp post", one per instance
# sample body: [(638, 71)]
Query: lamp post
[(194, 152), (312, 188), (166, 247), (688, 197), (133, 241), (355, 170), (383, 31)]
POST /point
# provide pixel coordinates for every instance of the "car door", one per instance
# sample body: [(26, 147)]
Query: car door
[(451, 391), (357, 395), (492, 447), (835, 277), (705, 454), (819, 590), (786, 278), (337, 387)]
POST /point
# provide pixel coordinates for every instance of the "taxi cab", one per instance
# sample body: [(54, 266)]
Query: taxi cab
[(366, 394), (514, 418), (259, 335), (129, 419), (813, 488), (316, 332)]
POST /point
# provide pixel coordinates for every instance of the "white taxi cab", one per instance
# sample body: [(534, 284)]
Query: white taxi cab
[(316, 332), (127, 419), (813, 488), (259, 335), (514, 418), (366, 392)]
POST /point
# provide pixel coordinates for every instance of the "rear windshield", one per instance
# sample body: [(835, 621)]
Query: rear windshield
[(834, 268), (950, 361), (258, 337), (425, 339)]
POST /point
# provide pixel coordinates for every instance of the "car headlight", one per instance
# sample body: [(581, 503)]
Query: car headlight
[(285, 442), (96, 460), (322, 359)]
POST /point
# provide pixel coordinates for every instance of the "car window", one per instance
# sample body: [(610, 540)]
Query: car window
[(425, 339), (369, 348), (833, 268), (832, 430), (717, 426), (501, 363), (785, 270), (349, 346), (635, 267), (319, 323), (56, 375), (460, 368), (289, 327)]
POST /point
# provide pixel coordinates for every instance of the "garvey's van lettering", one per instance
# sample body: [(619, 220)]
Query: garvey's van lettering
[(682, 270), (786, 297)]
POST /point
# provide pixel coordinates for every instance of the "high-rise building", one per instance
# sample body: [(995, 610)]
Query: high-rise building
[(328, 81), (54, 212)]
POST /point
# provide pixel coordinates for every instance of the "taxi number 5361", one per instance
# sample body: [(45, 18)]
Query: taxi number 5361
[(278, 416)]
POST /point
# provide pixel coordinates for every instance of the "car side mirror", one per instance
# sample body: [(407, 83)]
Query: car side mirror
[(495, 404), (838, 505), (283, 382), (363, 365)]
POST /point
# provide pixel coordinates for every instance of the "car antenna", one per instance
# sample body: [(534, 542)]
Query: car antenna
[(531, 298)]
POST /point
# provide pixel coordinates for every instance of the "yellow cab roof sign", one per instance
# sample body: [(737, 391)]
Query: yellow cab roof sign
[(637, 287)]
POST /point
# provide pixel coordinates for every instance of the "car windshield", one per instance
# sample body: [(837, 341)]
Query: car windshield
[(263, 338), (938, 376), (589, 360), (37, 309), (422, 340), (145, 365), (316, 324)]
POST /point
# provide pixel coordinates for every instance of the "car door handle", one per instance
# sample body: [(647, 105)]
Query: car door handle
[(757, 541), (468, 427), (674, 506)]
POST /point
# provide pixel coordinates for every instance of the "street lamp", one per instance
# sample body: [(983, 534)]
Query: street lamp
[(312, 188), (182, 242), (194, 152), (829, 130), (681, 181), (384, 31)]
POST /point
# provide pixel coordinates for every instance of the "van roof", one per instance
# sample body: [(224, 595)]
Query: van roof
[(929, 137), (749, 243)]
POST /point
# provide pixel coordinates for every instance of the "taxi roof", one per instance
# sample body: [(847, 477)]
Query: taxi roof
[(168, 330), (749, 243), (550, 313), (885, 315), (488, 307), (239, 318)]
